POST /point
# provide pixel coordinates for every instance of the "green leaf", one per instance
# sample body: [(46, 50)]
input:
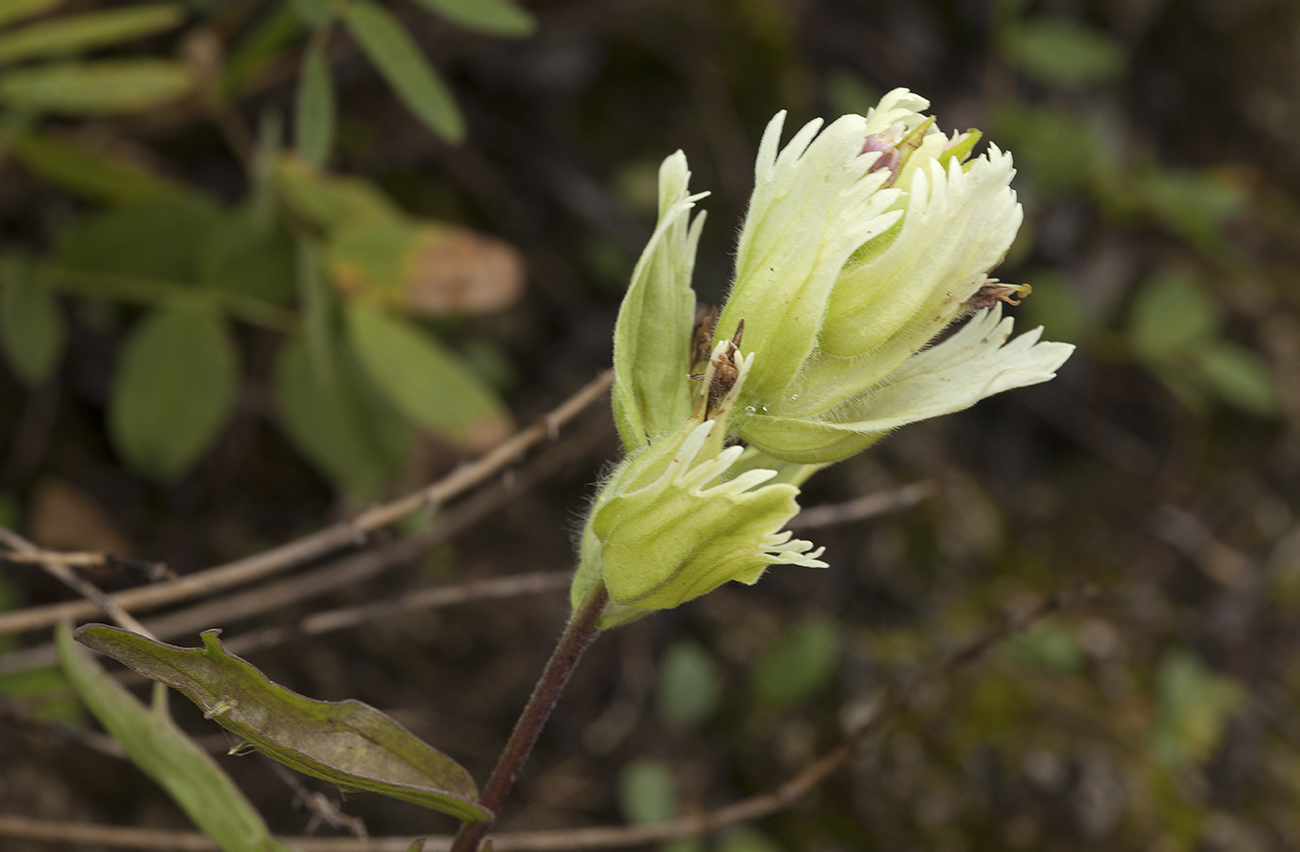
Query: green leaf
[(314, 116), (400, 61), (647, 792), (799, 665), (329, 201), (1055, 148), (1172, 315), (1056, 305), (497, 17), (425, 381), (158, 240), (79, 33), (175, 389), (249, 253), (164, 753), (16, 10), (1239, 377), (1195, 706), (1048, 645), (31, 328), (46, 691), (97, 88), (343, 427), (314, 13), (345, 742), (1196, 206), (90, 173), (425, 267), (689, 685), (1062, 52), (271, 37)]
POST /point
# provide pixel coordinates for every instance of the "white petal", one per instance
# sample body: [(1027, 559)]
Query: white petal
[(972, 364)]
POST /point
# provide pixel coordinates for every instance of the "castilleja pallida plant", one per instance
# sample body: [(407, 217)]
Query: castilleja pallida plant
[(863, 242)]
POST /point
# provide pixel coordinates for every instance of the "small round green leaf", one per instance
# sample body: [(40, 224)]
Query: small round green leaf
[(1062, 52), (1172, 315), (798, 666), (1239, 377), (647, 792), (689, 685), (175, 389)]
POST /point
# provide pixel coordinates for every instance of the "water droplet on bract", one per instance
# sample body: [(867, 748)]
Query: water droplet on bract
[(749, 409)]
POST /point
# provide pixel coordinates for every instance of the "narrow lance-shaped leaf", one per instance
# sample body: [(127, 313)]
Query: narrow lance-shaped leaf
[(425, 381), (164, 753), (498, 17), (93, 174), (31, 328), (314, 13), (97, 88), (399, 59), (82, 32), (345, 742), (329, 201), (424, 267), (314, 118), (355, 438), (16, 10)]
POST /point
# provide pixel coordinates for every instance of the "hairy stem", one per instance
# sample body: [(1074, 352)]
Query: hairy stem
[(578, 634)]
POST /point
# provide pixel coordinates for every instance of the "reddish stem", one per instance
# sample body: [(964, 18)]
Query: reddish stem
[(578, 634)]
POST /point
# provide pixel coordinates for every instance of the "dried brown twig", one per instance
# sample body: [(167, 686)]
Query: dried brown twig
[(339, 536), (59, 566), (754, 807), (356, 569)]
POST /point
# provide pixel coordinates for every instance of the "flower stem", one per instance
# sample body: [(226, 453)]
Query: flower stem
[(578, 634)]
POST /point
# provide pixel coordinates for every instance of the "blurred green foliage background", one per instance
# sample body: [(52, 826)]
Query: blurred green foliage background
[(263, 262)]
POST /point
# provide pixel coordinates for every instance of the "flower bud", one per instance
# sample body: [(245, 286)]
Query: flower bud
[(669, 527)]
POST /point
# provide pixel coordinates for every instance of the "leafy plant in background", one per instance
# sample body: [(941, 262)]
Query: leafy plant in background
[(863, 242), (1174, 325), (325, 261)]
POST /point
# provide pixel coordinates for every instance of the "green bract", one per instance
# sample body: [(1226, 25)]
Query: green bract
[(672, 528), (862, 243)]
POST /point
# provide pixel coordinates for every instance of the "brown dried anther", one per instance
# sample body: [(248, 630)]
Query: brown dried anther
[(725, 371), (993, 292), (702, 339)]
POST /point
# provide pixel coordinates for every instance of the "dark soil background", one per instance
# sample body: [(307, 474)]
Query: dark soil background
[(1159, 715)]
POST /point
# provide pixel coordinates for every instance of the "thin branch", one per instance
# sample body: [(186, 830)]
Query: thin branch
[(56, 566), (347, 534), (754, 807), (355, 570), (153, 572), (864, 507)]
